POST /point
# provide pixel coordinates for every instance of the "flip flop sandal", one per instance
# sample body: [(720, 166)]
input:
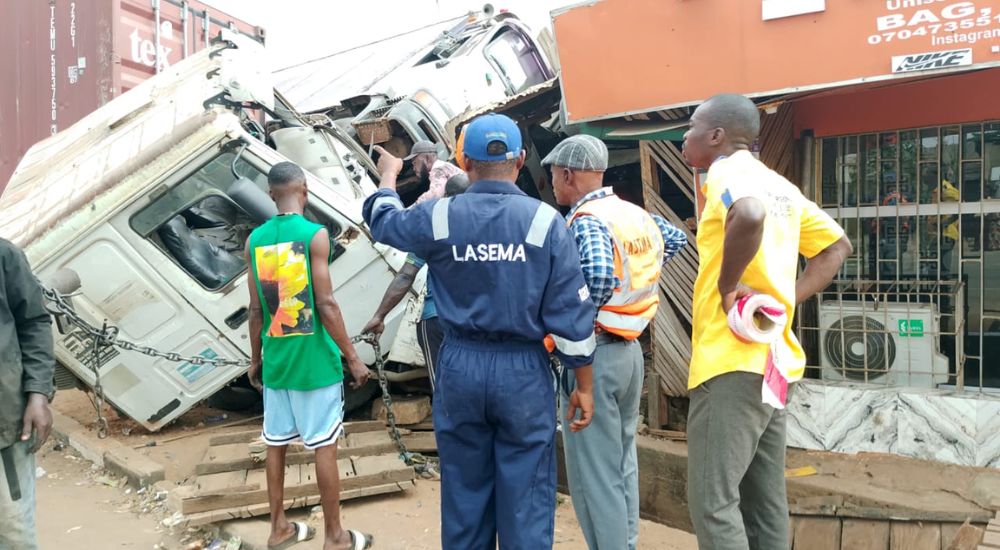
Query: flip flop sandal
[(360, 541), (302, 533)]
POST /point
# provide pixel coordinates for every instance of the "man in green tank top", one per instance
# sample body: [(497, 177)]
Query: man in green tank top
[(297, 338)]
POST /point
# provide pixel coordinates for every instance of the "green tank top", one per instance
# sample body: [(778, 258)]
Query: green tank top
[(298, 354)]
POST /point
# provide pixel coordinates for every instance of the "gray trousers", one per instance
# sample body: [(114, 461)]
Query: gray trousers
[(736, 466), (17, 518), (601, 462)]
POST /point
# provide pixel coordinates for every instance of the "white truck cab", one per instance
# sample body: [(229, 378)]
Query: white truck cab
[(149, 201)]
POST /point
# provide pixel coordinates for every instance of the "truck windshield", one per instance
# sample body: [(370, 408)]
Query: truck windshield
[(516, 60)]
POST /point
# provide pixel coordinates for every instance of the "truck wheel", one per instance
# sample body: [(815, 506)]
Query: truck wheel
[(356, 398), (235, 398)]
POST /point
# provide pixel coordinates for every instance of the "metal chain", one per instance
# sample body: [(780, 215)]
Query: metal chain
[(98, 400), (107, 336), (383, 383)]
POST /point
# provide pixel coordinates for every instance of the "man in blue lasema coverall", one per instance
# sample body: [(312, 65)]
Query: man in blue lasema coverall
[(505, 272)]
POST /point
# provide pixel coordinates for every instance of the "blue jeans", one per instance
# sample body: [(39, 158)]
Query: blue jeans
[(17, 519), (601, 464)]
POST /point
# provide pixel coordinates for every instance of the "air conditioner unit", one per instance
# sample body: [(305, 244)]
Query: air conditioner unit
[(894, 344)]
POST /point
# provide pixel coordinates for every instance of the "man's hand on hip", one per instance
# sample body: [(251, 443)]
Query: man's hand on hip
[(38, 419)]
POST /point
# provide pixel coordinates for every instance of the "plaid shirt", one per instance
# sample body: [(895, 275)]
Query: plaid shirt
[(597, 253)]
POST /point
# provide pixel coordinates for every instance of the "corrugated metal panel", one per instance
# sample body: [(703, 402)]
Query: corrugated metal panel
[(65, 58)]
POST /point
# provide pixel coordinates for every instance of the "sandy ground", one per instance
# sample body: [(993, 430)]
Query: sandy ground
[(411, 521), (82, 507), (79, 507)]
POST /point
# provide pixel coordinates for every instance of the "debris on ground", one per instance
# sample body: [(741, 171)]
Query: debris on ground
[(804, 471)]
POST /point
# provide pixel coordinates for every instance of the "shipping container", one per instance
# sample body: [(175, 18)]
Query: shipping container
[(65, 58)]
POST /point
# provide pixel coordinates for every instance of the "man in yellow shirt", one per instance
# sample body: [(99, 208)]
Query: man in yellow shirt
[(754, 225)]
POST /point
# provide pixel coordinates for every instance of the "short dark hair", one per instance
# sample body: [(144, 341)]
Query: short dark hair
[(456, 185), (284, 173), (492, 170), (734, 113)]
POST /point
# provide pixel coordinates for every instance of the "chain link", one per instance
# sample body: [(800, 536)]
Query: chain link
[(383, 382), (98, 400), (107, 336)]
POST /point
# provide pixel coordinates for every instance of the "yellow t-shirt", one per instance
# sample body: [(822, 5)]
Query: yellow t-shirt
[(794, 225)]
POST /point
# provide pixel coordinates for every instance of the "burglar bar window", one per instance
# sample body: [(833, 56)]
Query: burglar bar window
[(923, 206)]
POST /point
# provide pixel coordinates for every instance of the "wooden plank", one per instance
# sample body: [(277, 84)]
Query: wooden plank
[(825, 505), (860, 534), (653, 401), (991, 538), (915, 536), (668, 434), (420, 442), (960, 537), (222, 480), (425, 426), (817, 534), (363, 426), (215, 516), (671, 339), (367, 444), (241, 436), (354, 473), (248, 435), (238, 456), (925, 516)]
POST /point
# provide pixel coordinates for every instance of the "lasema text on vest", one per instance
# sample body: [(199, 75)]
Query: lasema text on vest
[(492, 252)]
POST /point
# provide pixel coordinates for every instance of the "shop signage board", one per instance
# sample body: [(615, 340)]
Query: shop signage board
[(622, 57)]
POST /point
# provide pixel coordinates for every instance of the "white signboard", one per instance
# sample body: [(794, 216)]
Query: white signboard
[(931, 60), (777, 9)]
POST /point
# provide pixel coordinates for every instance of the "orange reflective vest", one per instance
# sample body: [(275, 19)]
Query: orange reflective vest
[(638, 245)]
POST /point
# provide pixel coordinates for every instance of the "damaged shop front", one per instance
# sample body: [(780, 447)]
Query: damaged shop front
[(885, 114)]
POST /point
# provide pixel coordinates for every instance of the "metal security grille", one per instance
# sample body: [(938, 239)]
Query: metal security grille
[(923, 206)]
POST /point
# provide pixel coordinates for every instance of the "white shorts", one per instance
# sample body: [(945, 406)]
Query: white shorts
[(316, 417)]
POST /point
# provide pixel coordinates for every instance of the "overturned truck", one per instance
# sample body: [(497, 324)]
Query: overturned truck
[(136, 217)]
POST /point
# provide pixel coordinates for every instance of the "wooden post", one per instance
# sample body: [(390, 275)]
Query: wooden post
[(654, 416)]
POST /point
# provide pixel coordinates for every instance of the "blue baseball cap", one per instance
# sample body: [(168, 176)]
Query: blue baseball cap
[(492, 138)]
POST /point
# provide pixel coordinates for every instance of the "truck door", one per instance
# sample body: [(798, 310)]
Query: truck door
[(194, 233)]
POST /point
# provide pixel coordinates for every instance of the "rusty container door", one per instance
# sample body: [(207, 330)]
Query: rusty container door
[(153, 34), (65, 58), (57, 67)]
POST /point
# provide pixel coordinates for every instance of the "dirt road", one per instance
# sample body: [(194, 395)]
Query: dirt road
[(79, 507), (412, 520)]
